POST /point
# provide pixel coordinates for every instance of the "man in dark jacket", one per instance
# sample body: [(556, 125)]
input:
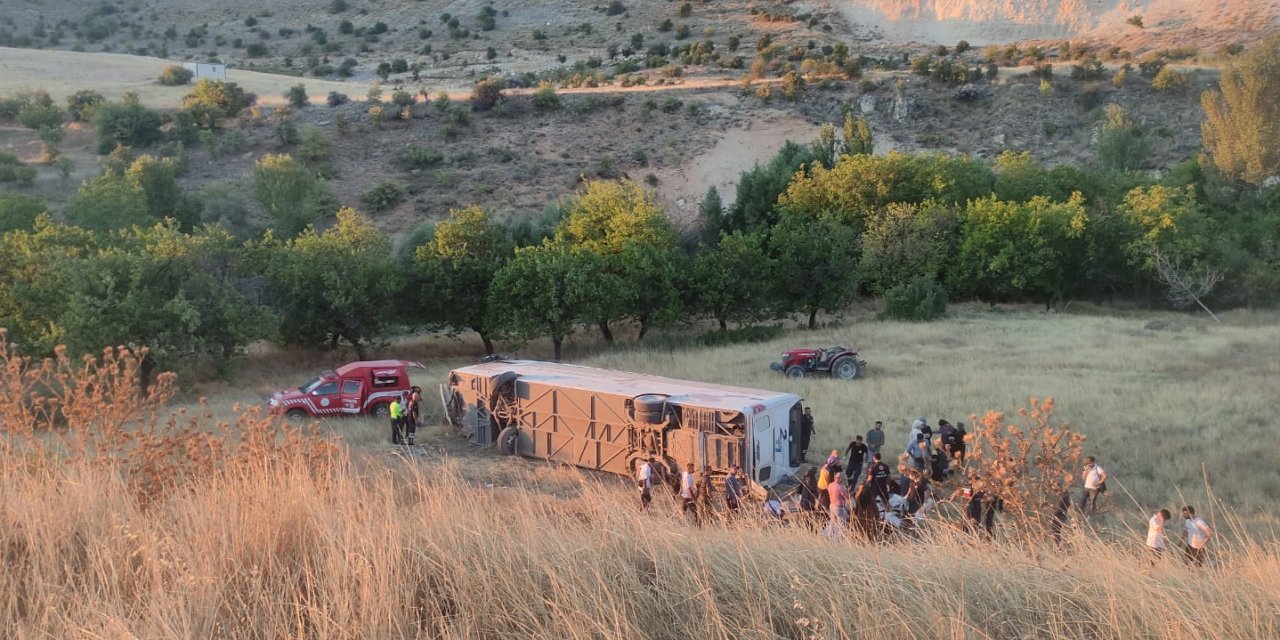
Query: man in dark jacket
[(857, 455), (878, 479), (806, 432)]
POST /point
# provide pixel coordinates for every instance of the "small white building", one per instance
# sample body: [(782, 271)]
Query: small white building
[(210, 70)]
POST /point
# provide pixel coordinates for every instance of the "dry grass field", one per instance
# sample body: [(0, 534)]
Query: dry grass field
[(284, 537)]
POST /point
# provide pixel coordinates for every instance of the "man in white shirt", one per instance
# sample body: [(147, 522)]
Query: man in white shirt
[(1094, 479), (688, 490), (644, 479), (1195, 535), (1155, 532)]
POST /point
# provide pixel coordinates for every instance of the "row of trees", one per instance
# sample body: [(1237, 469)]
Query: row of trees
[(1012, 230)]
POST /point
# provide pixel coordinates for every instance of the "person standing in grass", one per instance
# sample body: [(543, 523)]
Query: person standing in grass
[(1195, 536), (644, 480), (397, 416), (1095, 482), (809, 497), (411, 414), (877, 479), (875, 438), (857, 455), (839, 501), (732, 490), (1155, 533), (688, 491), (958, 447), (705, 491)]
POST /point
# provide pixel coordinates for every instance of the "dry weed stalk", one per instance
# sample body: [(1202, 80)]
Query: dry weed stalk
[(1028, 467), (96, 416)]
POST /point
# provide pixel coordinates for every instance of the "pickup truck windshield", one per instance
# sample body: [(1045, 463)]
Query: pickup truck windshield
[(310, 386)]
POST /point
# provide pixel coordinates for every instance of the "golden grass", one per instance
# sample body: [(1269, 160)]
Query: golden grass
[(403, 552)]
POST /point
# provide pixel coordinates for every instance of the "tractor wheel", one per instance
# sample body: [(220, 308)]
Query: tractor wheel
[(296, 415), (381, 411), (508, 441), (846, 368), (795, 372)]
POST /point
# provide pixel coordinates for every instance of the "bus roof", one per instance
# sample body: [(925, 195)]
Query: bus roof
[(623, 383)]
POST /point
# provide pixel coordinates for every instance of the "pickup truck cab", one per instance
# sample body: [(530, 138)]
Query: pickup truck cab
[(358, 388)]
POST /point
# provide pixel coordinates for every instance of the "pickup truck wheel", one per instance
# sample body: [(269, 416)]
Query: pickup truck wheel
[(296, 415), (380, 410), (846, 368), (795, 372), (508, 440)]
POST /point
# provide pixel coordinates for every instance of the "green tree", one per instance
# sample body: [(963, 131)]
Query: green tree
[(456, 269), (297, 96), (44, 116), (108, 201), (603, 220), (859, 184), (1121, 145), (19, 212), (290, 193), (1242, 118), (755, 205), (732, 281), (157, 180), (342, 284), (1169, 220), (127, 123), (817, 261), (711, 213), (212, 101), (37, 264), (545, 290), (1012, 250), (857, 135), (903, 241), (168, 291)]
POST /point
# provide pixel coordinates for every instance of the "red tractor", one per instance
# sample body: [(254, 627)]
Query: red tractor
[(840, 362)]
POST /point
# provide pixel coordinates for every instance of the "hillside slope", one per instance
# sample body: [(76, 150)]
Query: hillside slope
[(1164, 22)]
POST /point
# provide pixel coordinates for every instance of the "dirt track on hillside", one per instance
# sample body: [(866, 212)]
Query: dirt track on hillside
[(62, 73)]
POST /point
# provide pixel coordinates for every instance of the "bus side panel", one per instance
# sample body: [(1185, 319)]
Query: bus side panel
[(584, 429)]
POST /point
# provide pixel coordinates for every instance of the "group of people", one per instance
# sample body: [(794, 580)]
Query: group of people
[(863, 482), (404, 416), (697, 493)]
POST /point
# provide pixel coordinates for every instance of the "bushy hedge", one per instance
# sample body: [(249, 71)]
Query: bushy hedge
[(920, 300)]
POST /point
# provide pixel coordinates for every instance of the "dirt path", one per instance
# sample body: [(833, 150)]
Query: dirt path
[(62, 73)]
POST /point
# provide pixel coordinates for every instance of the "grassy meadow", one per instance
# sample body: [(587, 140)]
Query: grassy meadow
[(457, 542)]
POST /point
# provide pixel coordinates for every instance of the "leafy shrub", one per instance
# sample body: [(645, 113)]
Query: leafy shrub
[(337, 99), (486, 94), (256, 50), (12, 170), (385, 195), (920, 300), (615, 8), (80, 105), (128, 123), (215, 100), (176, 74), (414, 156), (18, 212), (545, 98), (1171, 80), (748, 334), (297, 96)]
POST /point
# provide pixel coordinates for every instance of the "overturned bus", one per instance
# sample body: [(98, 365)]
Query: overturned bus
[(613, 420)]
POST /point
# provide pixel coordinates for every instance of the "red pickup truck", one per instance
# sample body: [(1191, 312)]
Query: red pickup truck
[(358, 388)]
